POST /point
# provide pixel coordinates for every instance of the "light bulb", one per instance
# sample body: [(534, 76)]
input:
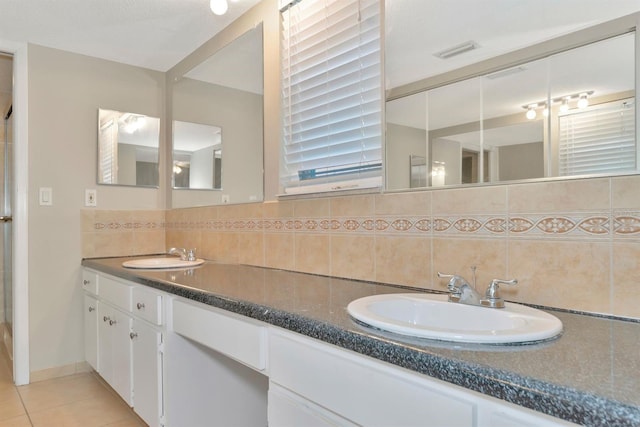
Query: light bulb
[(219, 7), (545, 112), (531, 113), (583, 102), (564, 107)]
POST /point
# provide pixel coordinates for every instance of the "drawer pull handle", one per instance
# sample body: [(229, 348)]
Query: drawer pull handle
[(133, 335), (106, 319), (91, 309), (140, 305), (86, 282), (112, 322)]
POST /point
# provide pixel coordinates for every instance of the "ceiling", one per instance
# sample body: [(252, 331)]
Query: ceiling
[(154, 34)]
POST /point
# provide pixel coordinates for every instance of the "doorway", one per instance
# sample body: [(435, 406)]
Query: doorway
[(6, 155)]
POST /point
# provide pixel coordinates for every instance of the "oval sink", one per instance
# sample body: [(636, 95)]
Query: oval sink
[(161, 262), (433, 316)]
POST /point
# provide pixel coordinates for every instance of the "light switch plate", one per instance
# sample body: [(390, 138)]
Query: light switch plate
[(90, 198), (46, 196)]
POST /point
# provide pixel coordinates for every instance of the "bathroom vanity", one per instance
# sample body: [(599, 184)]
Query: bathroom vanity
[(238, 345)]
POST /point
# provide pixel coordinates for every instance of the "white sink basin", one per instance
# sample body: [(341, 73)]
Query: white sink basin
[(432, 316), (161, 262)]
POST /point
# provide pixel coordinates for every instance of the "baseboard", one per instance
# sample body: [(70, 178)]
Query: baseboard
[(59, 371)]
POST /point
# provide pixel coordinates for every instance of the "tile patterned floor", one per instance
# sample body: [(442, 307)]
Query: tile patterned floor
[(76, 400)]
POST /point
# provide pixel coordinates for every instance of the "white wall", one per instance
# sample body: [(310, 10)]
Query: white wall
[(402, 142), (65, 92)]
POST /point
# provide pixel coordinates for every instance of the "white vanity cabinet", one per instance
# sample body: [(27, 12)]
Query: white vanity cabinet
[(182, 363), (124, 340), (317, 384)]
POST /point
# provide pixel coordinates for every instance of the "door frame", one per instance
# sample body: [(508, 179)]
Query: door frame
[(20, 241)]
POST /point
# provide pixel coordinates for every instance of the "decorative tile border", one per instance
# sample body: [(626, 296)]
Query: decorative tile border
[(128, 226), (592, 225)]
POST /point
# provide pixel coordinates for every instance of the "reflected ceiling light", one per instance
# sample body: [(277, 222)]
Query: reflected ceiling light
[(582, 97), (177, 169), (583, 102), (219, 7)]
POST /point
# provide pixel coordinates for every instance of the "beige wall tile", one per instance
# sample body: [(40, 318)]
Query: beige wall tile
[(572, 275), (625, 192), (149, 242), (559, 196), (209, 245), (113, 244), (353, 256), (347, 206), (457, 256), (277, 210), (227, 248), (626, 280), (312, 253), (469, 200), (241, 211), (251, 248), (416, 203), (87, 219), (311, 208), (403, 260), (279, 250)]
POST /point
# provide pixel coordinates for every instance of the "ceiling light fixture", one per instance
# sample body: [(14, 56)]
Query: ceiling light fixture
[(531, 112), (564, 107), (219, 7)]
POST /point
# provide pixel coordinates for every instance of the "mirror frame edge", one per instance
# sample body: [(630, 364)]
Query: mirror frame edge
[(265, 13)]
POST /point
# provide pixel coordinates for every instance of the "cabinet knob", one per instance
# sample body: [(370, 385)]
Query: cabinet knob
[(106, 319), (91, 309), (112, 322), (140, 305), (133, 335), (86, 282)]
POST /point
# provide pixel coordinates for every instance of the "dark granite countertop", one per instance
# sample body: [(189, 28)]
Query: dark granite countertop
[(590, 375)]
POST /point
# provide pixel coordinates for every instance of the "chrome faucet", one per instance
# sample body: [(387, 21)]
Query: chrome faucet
[(185, 255), (462, 292)]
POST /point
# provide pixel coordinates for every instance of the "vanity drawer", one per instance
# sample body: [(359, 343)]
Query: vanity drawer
[(115, 292), (238, 339), (362, 390), (90, 281), (147, 305)]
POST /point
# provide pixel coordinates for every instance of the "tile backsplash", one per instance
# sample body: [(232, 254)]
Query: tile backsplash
[(571, 244)]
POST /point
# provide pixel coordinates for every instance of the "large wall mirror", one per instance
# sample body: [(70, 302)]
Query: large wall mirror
[(218, 127), (128, 149), (465, 105)]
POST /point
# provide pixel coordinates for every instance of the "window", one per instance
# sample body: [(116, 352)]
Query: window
[(331, 95), (598, 140)]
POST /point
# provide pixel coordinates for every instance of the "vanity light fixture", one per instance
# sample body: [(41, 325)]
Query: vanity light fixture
[(219, 7), (581, 97)]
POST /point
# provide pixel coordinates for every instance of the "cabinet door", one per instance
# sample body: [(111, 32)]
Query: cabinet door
[(147, 372), (91, 331), (114, 350), (289, 410)]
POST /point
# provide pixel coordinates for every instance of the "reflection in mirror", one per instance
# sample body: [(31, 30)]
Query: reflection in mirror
[(223, 92), (570, 113), (197, 156), (128, 149)]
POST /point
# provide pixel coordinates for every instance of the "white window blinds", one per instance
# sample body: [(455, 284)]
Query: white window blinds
[(108, 163), (331, 95), (600, 140)]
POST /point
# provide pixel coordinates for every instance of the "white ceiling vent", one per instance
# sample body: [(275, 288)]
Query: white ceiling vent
[(457, 50), (505, 73)]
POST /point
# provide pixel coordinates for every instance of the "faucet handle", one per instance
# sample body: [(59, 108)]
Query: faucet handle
[(191, 254), (492, 294), (454, 279)]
